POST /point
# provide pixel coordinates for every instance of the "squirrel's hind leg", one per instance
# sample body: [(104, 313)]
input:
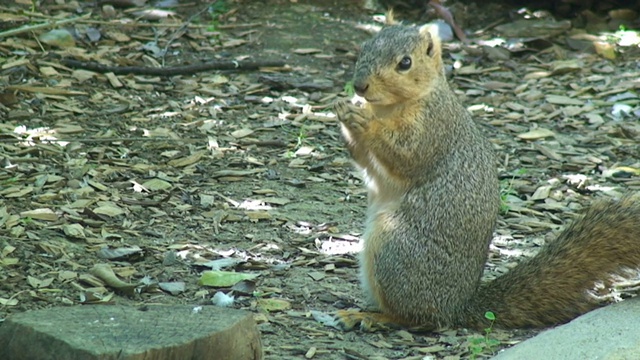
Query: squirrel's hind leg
[(376, 234)]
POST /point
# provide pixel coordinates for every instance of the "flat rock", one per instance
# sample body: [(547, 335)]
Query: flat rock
[(608, 333), (103, 332)]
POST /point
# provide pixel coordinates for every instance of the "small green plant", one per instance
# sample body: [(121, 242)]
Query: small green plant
[(489, 342), (348, 88), (506, 189), (216, 10), (302, 136), (480, 345), (475, 347)]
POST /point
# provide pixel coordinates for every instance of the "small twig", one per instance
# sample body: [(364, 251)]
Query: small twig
[(182, 29), (38, 41), (446, 15), (41, 26), (238, 26), (268, 143), (489, 27), (167, 25), (172, 70), (228, 199)]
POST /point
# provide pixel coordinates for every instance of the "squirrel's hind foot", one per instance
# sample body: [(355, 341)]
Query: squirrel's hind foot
[(367, 321)]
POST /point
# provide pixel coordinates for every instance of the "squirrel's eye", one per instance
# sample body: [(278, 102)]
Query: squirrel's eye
[(405, 63)]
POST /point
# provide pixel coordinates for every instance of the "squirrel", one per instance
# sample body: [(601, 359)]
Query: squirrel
[(433, 203)]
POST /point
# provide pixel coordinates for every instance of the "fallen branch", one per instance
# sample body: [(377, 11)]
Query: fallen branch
[(244, 142), (172, 70), (41, 26), (98, 140)]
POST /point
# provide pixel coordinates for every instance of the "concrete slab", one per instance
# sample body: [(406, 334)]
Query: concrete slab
[(608, 333)]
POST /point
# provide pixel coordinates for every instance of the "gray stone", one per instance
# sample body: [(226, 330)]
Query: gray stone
[(609, 333)]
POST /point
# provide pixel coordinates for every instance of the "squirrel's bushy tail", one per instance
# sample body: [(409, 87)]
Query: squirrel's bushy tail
[(554, 286)]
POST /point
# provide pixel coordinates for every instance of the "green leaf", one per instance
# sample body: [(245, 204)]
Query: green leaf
[(490, 315), (493, 342), (223, 278), (58, 37)]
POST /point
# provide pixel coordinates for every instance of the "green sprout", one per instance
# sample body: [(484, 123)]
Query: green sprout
[(216, 10), (302, 136), (506, 189), (348, 88), (480, 344)]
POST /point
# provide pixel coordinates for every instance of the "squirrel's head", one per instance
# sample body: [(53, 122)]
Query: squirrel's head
[(399, 64)]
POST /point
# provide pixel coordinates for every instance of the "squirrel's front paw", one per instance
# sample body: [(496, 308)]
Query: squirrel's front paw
[(351, 116)]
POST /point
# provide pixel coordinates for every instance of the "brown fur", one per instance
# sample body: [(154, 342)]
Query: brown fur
[(433, 204)]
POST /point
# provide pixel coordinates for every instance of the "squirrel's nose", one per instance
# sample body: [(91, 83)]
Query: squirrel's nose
[(360, 88)]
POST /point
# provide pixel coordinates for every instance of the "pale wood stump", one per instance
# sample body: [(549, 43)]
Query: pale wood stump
[(102, 332)]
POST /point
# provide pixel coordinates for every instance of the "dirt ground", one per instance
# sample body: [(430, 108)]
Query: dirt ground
[(161, 178)]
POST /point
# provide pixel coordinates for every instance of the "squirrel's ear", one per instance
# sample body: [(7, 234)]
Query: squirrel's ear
[(388, 18), (430, 34)]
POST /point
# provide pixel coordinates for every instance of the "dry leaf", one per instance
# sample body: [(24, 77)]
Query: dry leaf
[(8, 302), (258, 215), (563, 100), (606, 50), (156, 185), (73, 230), (274, 305), (111, 210), (40, 214), (106, 274), (217, 278), (536, 134), (39, 284), (241, 133), (307, 51), (189, 160)]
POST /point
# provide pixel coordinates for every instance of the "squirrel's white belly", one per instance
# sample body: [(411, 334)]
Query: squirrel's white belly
[(384, 193)]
